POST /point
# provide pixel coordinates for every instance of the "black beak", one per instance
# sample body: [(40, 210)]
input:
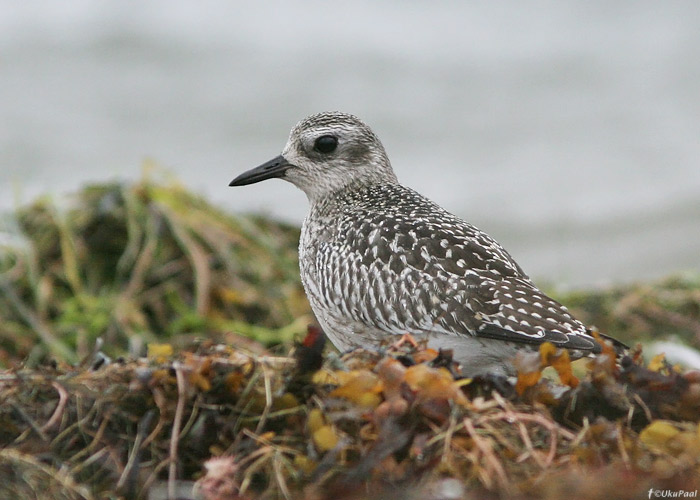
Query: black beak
[(268, 170)]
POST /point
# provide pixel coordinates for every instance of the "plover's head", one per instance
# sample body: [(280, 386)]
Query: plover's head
[(325, 153)]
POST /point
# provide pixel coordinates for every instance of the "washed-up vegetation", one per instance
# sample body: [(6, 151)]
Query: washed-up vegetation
[(134, 264), (645, 312), (367, 425), (148, 344)]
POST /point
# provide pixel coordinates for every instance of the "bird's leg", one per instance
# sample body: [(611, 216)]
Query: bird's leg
[(406, 338)]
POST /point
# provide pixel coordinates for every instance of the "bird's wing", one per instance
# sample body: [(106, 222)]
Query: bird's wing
[(431, 271), (527, 315)]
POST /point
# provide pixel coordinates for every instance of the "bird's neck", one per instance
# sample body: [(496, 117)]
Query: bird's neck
[(350, 195)]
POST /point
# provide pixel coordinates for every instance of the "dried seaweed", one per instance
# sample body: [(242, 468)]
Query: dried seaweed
[(643, 311), (91, 407), (136, 263), (226, 418)]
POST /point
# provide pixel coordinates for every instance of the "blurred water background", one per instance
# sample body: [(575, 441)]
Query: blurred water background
[(570, 131)]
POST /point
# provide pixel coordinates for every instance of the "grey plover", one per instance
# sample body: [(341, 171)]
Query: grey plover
[(377, 259)]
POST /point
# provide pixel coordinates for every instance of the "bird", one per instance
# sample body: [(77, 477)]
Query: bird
[(378, 260)]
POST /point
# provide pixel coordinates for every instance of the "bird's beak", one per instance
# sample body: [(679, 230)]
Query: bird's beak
[(268, 170)]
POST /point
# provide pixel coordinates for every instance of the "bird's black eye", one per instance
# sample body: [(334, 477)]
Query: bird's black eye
[(326, 144)]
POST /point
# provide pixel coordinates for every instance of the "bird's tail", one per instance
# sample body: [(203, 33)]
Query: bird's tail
[(620, 347)]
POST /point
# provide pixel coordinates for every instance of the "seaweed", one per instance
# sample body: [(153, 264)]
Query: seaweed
[(134, 263), (151, 349), (224, 422)]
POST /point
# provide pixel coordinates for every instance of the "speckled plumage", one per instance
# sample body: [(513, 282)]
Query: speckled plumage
[(379, 259)]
